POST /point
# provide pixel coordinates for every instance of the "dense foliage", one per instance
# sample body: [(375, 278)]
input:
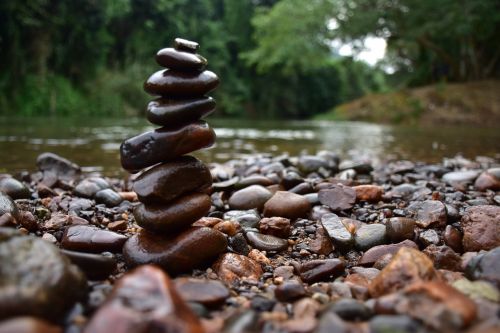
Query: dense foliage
[(274, 57)]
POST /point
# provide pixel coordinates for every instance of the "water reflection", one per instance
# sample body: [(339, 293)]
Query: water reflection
[(94, 143)]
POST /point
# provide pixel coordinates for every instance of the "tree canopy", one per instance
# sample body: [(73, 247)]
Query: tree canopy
[(275, 57)]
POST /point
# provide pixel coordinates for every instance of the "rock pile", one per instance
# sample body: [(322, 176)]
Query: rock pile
[(173, 190)]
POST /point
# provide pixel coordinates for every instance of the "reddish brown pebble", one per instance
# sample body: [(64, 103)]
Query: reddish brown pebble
[(91, 239), (321, 270), (232, 267), (481, 226), (338, 197), (288, 205), (407, 266), (276, 226), (371, 193), (142, 300), (377, 252)]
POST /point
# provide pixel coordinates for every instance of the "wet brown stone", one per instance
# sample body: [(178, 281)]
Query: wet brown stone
[(481, 227), (179, 60), (28, 325), (338, 197), (444, 257), (275, 226), (168, 181), (177, 84), (429, 212), (28, 220), (377, 252), (91, 239), (143, 301), (453, 238), (290, 291), (407, 266), (232, 267), (174, 112), (251, 197), (164, 144), (400, 228), (7, 220), (95, 266), (182, 44), (321, 270), (192, 248), (321, 244), (175, 215), (288, 205), (370, 193), (488, 180), (429, 300), (211, 293)]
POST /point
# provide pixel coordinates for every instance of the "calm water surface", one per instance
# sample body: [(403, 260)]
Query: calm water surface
[(94, 143)]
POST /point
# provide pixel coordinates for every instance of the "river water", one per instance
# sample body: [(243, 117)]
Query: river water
[(94, 143)]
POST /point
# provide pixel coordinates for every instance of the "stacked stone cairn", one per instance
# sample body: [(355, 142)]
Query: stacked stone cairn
[(174, 188)]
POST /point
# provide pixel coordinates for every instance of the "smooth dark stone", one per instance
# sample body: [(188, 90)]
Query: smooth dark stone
[(180, 253), (351, 309), (91, 239), (321, 270), (254, 196), (7, 205), (179, 60), (168, 181), (239, 244), (95, 266), (176, 84), (288, 205), (211, 293), (144, 301), (35, 279), (289, 291), (308, 163), (173, 112), (14, 188), (108, 197), (337, 232), (61, 167), (186, 45), (175, 215), (266, 242), (163, 145), (370, 235), (88, 187), (400, 228), (246, 218)]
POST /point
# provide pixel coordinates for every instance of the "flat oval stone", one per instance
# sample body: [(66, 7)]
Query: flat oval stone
[(266, 242), (321, 270), (254, 196), (35, 279), (186, 45), (174, 216), (338, 197), (179, 60), (91, 239), (14, 188), (162, 145), (180, 253), (211, 293), (172, 112), (143, 301), (168, 181), (377, 252), (95, 266), (370, 235), (287, 204), (108, 197), (170, 83)]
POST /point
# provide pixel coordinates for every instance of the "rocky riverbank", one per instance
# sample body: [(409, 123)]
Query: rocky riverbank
[(310, 244)]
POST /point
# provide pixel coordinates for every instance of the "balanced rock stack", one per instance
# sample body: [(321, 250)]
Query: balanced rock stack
[(173, 191)]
